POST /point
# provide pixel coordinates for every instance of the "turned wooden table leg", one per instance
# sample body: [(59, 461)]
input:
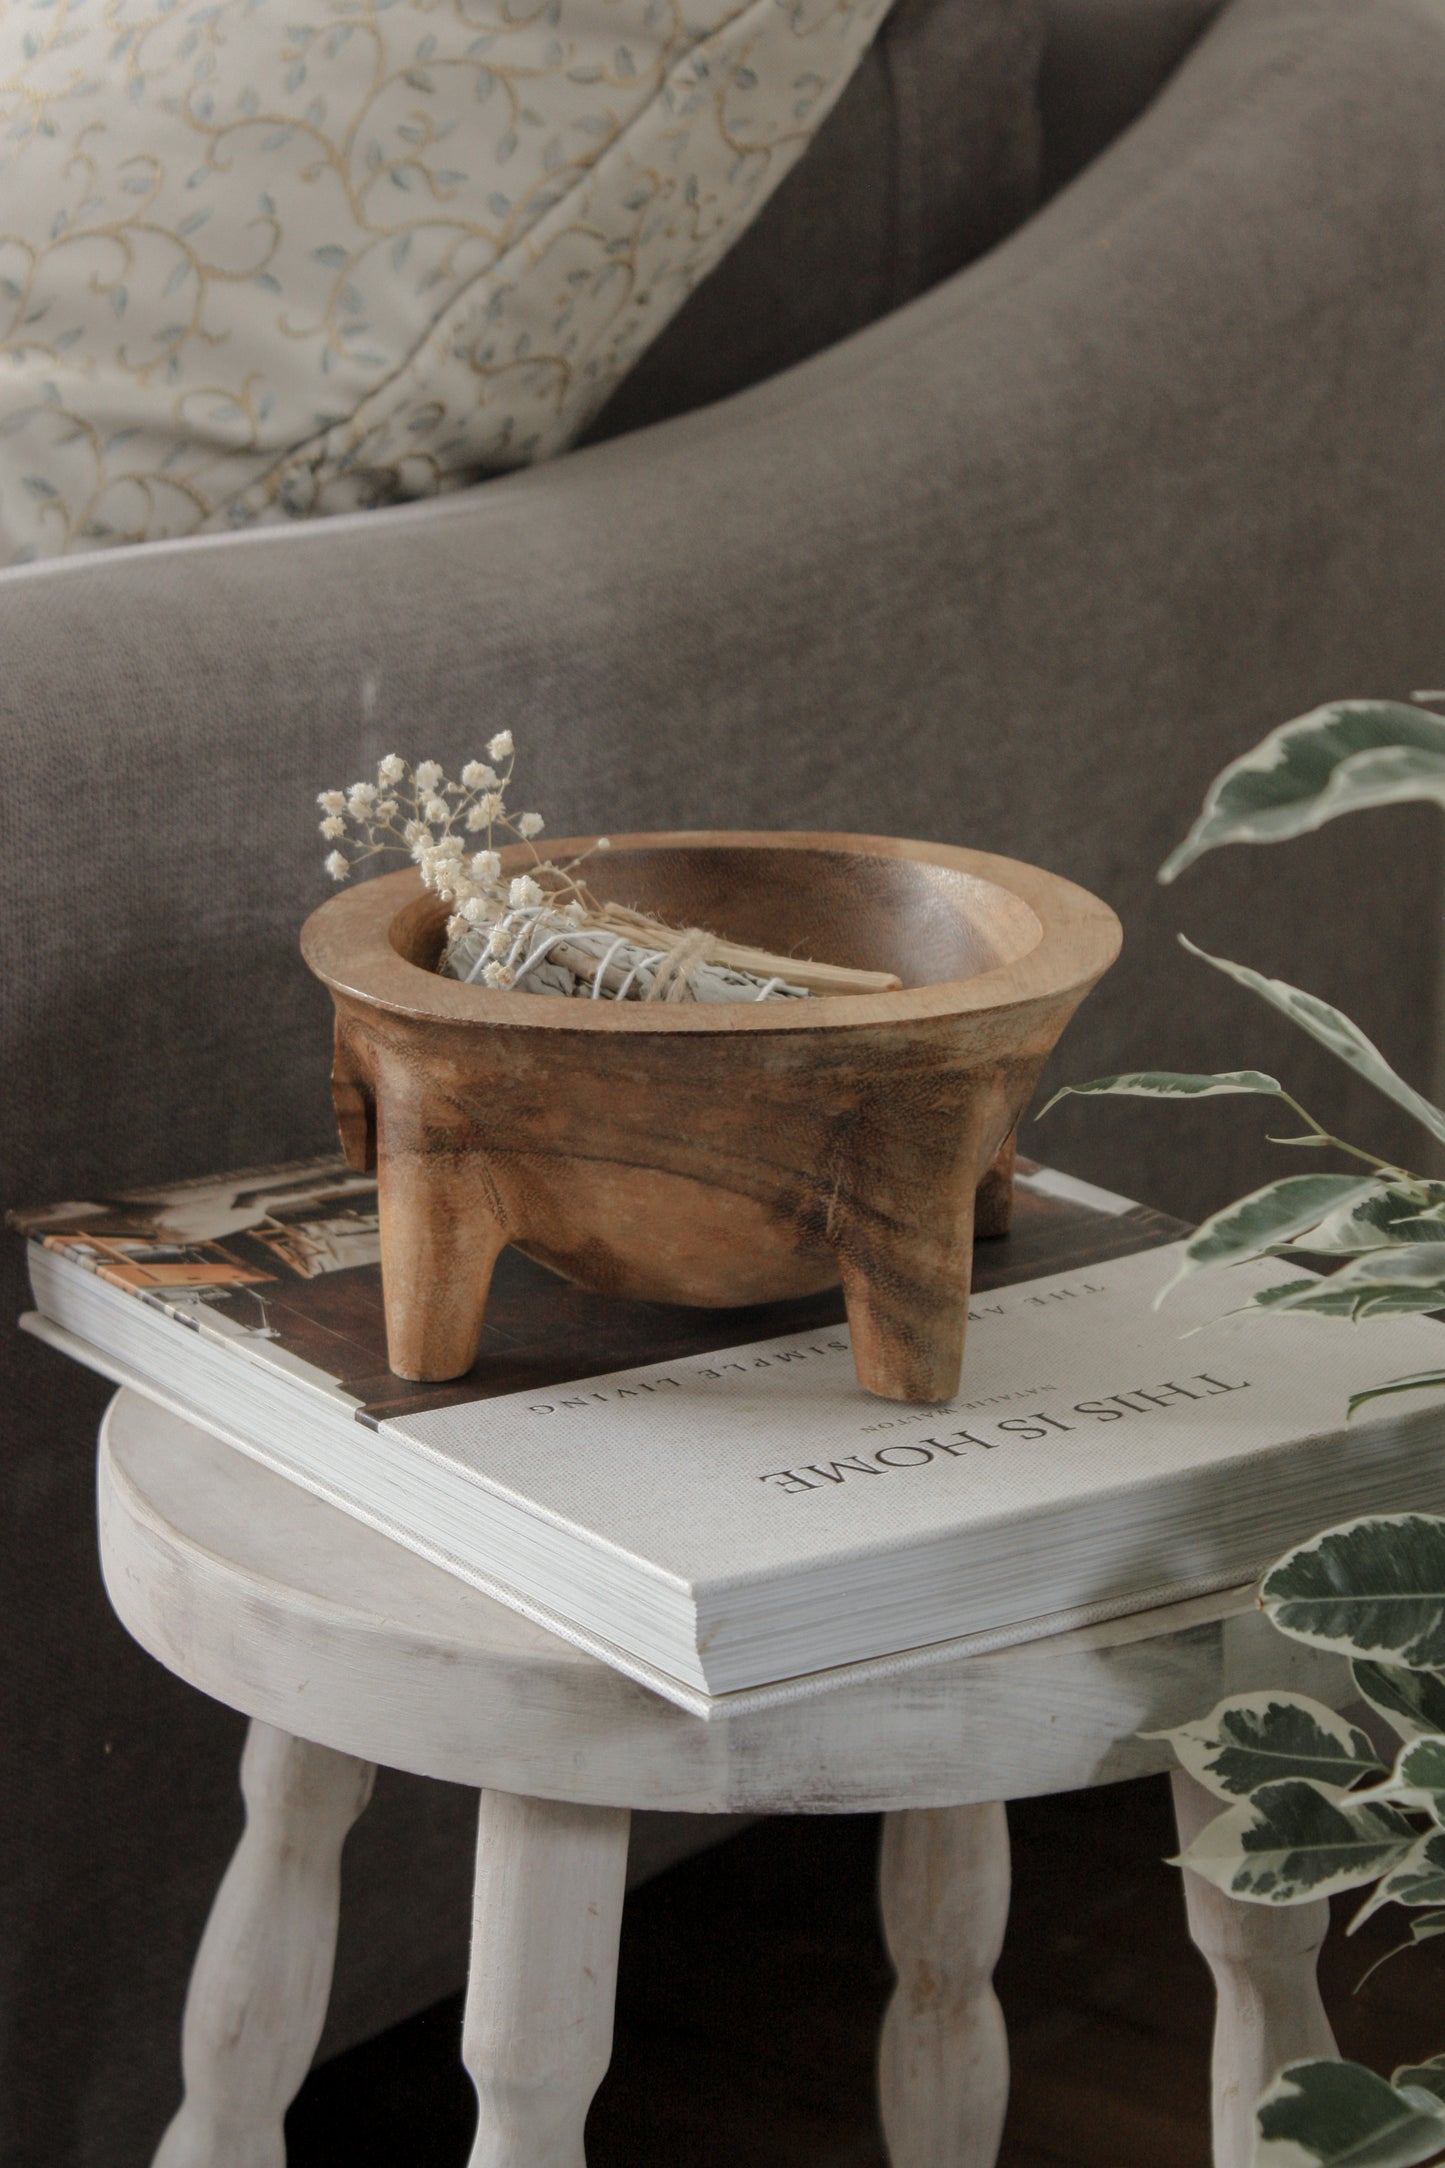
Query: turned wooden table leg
[(943, 2066), (262, 1975), (1263, 1960), (537, 2036)]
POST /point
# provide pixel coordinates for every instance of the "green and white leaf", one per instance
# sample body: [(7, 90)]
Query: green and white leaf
[(1336, 759), (1255, 1225), (1167, 1084), (1391, 1215), (1373, 1587), (1315, 1297), (1402, 1264), (1253, 1739), (1341, 2115), (1418, 1776), (1295, 1840), (1417, 1780), (1412, 1701), (1419, 1879), (1429, 2076), (1333, 1030), (1421, 1382), (1407, 1279), (1423, 1928), (1403, 1301)]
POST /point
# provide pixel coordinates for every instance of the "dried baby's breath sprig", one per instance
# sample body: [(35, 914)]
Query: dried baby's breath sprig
[(450, 831), (542, 931)]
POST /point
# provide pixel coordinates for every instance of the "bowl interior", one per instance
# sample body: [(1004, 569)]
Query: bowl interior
[(929, 924)]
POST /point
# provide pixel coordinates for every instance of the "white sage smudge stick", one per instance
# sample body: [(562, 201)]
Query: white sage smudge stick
[(552, 954), (544, 932)]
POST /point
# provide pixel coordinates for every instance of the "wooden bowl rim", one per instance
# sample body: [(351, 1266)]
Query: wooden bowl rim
[(347, 942)]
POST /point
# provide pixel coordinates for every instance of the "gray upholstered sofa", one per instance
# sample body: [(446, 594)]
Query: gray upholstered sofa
[(1019, 564)]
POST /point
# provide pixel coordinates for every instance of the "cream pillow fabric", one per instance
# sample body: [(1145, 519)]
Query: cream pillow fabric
[(254, 267)]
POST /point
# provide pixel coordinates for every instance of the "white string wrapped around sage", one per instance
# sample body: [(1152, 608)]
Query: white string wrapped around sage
[(547, 952)]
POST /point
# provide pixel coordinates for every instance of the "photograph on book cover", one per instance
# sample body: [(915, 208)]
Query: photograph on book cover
[(291, 1255)]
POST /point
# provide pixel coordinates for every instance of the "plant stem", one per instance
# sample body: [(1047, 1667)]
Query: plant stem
[(1385, 1166)]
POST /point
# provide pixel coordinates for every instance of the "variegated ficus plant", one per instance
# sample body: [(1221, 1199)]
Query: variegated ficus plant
[(1310, 1806)]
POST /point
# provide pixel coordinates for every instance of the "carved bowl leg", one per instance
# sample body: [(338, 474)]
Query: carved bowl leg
[(993, 1207), (442, 1225)]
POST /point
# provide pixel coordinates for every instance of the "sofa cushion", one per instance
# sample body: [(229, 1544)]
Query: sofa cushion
[(933, 155), (260, 267), (257, 268)]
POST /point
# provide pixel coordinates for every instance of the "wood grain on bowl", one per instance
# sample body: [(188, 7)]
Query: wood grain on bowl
[(713, 1153)]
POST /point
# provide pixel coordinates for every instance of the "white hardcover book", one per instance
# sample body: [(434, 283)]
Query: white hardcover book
[(730, 1523)]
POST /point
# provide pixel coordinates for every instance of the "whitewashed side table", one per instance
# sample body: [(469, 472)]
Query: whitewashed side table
[(347, 1651)]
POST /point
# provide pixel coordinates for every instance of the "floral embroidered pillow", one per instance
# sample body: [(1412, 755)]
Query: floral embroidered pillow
[(261, 262)]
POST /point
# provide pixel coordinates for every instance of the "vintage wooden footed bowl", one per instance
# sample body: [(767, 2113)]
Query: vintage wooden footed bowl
[(713, 1154)]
